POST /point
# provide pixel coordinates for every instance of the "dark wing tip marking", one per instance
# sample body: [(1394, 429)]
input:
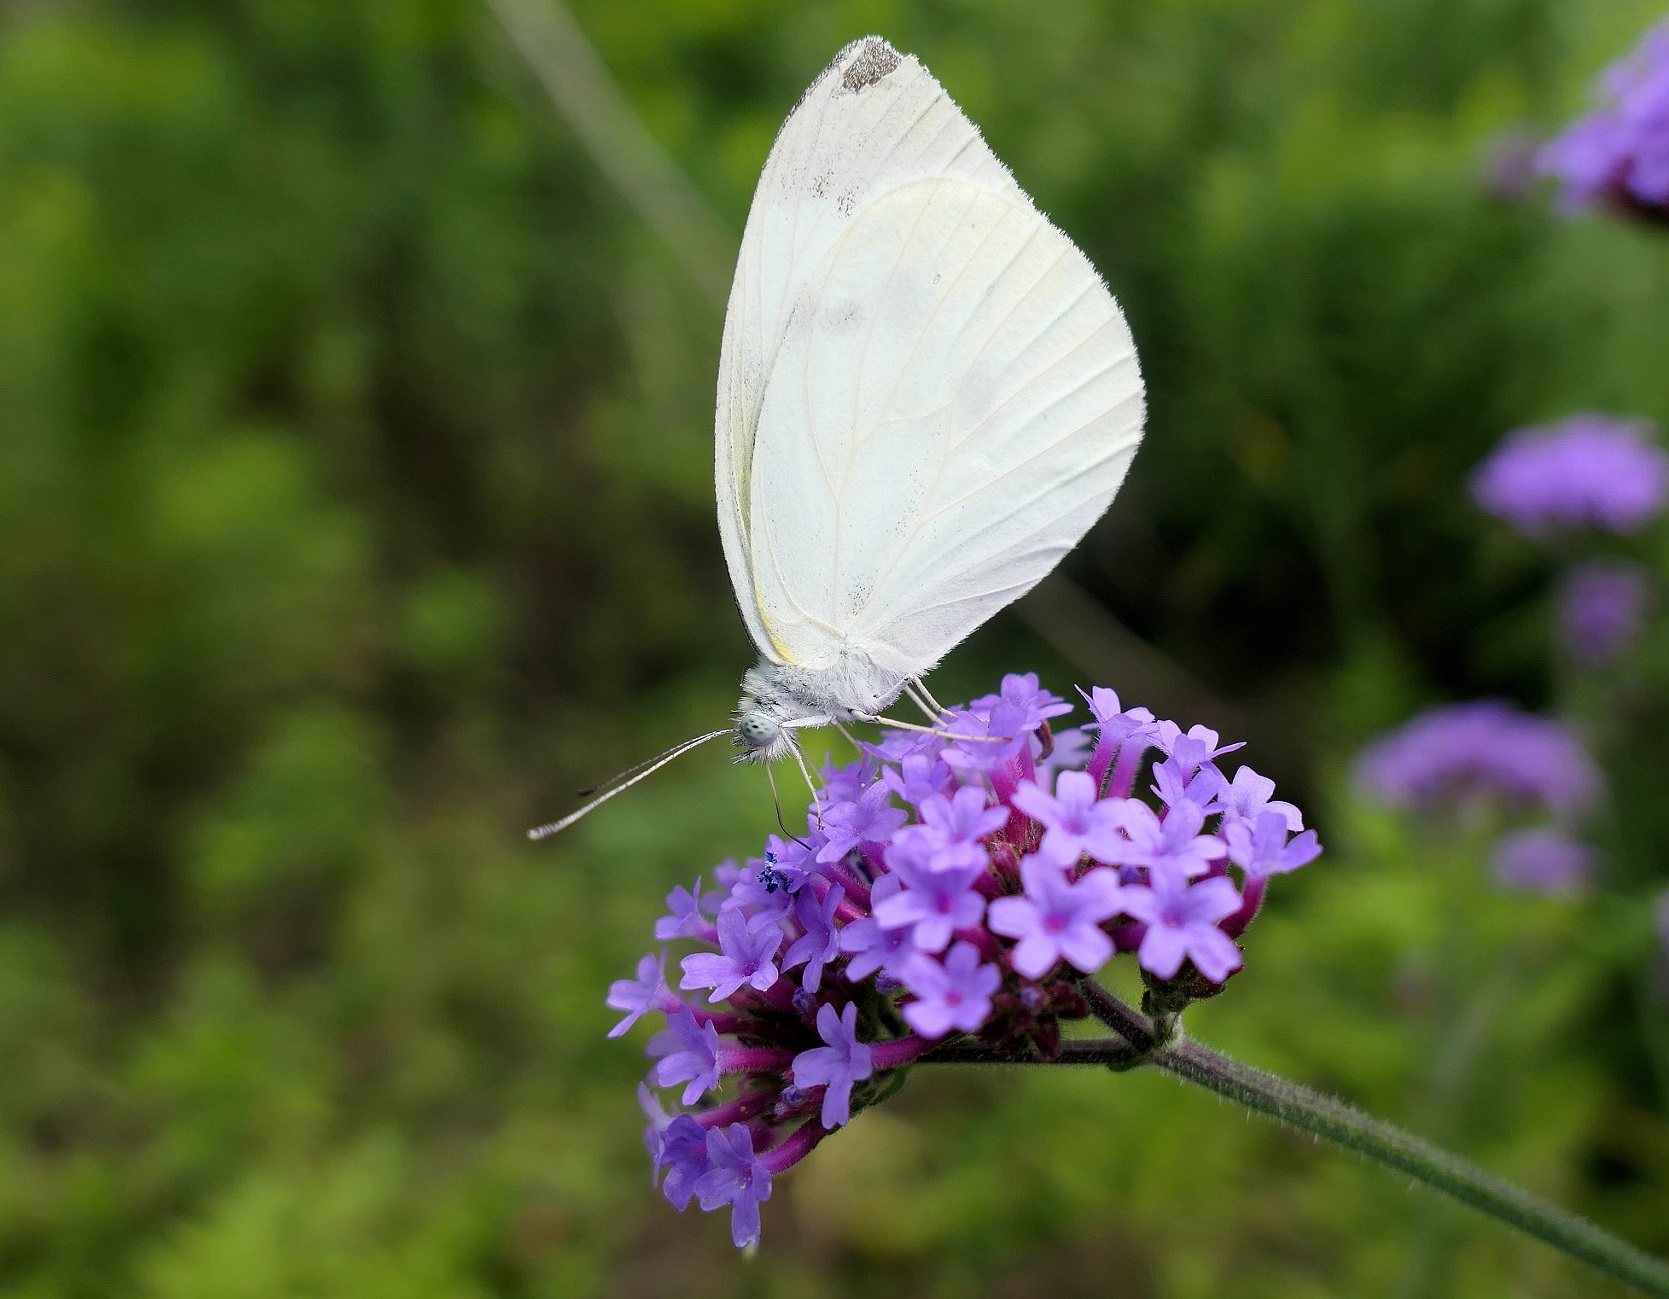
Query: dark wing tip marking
[(875, 60)]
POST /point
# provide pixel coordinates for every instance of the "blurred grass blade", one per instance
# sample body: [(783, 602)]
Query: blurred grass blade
[(606, 124)]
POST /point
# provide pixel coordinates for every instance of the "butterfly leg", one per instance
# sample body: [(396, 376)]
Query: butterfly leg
[(928, 730), (920, 693)]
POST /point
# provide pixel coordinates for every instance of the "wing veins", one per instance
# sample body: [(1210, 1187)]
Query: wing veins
[(933, 315)]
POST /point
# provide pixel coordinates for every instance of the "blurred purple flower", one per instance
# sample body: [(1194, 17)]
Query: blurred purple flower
[(1601, 605), (1618, 155), (1588, 470), (917, 777), (869, 818), (1542, 860), (1663, 921), (1487, 748)]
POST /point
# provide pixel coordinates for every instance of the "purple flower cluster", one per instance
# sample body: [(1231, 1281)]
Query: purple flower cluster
[(954, 883), (1588, 471), (1459, 752), (1453, 758), (1601, 605), (1618, 155)]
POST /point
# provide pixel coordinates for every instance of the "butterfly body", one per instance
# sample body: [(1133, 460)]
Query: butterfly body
[(780, 698)]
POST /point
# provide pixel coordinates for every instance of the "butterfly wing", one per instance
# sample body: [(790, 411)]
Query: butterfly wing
[(947, 395), (871, 121)]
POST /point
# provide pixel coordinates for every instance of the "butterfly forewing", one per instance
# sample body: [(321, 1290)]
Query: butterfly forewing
[(873, 121), (954, 403), (926, 394)]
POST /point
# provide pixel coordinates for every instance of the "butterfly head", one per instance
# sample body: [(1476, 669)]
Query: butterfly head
[(759, 735)]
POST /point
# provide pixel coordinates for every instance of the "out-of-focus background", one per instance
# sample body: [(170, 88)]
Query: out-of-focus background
[(356, 507)]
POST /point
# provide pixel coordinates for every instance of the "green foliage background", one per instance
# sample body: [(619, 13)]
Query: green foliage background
[(355, 506)]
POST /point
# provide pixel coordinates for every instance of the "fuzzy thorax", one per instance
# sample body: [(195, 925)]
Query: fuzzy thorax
[(778, 699)]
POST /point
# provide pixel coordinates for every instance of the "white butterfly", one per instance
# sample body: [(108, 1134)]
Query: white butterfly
[(926, 396)]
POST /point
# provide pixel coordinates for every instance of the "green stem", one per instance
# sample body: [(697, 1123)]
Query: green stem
[(1323, 1116)]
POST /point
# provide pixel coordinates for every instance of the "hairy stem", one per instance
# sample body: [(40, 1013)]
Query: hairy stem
[(1112, 1052)]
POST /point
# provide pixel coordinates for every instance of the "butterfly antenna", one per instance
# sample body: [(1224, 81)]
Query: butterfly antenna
[(645, 767), (621, 783)]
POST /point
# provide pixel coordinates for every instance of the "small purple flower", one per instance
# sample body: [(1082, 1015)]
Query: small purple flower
[(763, 890), (917, 777), (735, 1176), (1057, 920), (1663, 922), (933, 903), (988, 739), (1177, 782), (681, 1150), (1115, 724), (837, 1066), (745, 956), (1181, 921), (1600, 608), (871, 818), (952, 828), (846, 784), (637, 997), (1458, 752), (955, 995), (871, 945), (1619, 154), (1172, 844), (1261, 849), (1542, 860), (820, 943), (1075, 821), (1031, 705), (1588, 471), (688, 914), (689, 1054), (1250, 794), (1194, 748)]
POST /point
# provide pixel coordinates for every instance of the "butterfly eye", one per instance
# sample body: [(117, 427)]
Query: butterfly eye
[(756, 730)]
